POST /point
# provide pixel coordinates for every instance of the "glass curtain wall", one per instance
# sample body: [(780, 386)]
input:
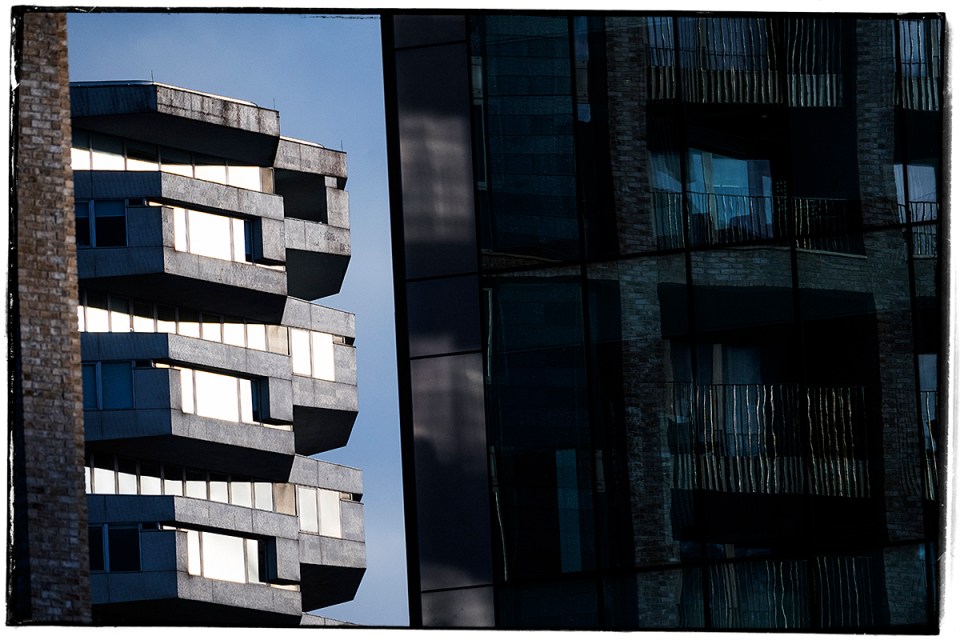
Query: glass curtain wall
[(693, 274)]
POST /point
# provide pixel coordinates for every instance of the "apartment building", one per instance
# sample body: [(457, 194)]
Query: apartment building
[(209, 378)]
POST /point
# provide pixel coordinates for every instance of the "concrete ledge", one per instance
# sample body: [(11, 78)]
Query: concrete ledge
[(297, 155)]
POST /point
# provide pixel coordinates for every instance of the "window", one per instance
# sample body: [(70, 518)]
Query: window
[(101, 152), (212, 235), (114, 547), (219, 396), (319, 511), (312, 354), (107, 474), (101, 223), (222, 557), (107, 385)]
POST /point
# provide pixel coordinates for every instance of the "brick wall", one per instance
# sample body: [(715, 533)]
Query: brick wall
[(49, 573)]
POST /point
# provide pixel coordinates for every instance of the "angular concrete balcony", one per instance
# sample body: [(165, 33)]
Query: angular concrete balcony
[(311, 179), (177, 117), (324, 408), (148, 412), (331, 566)]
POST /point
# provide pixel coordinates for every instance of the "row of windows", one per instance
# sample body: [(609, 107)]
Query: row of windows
[(318, 509), (312, 351), (103, 223), (215, 395), (107, 474), (111, 385), (116, 548), (102, 152)]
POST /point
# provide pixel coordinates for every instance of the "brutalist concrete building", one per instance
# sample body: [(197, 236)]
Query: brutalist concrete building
[(669, 318), (208, 377)]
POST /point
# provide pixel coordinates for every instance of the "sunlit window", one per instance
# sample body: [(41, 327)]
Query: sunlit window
[(319, 511), (212, 235), (102, 152)]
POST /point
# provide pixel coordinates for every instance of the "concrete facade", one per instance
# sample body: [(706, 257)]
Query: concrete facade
[(208, 375)]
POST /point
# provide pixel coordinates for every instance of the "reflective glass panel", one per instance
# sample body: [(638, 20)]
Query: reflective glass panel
[(233, 332), (307, 509), (142, 156), (209, 235), (104, 478), (194, 566), (223, 557), (176, 161), (210, 327), (246, 401), (143, 317), (172, 480), (209, 168), (180, 229), (323, 363), (257, 337), (126, 476), (119, 315), (329, 502), (241, 493), (196, 484), (166, 319), (150, 484), (189, 323), (253, 560), (300, 351), (96, 308), (107, 153), (263, 495), (244, 177), (186, 391), (239, 229), (218, 488), (217, 396)]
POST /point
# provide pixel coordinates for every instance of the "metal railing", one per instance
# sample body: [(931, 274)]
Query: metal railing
[(768, 438), (816, 223), (923, 216)]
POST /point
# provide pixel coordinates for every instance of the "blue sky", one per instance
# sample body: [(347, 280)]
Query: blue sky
[(323, 73)]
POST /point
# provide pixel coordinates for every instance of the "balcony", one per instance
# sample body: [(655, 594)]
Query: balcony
[(819, 224), (922, 216), (768, 439)]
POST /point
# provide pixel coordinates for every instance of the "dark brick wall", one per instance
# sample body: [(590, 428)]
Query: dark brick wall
[(49, 575)]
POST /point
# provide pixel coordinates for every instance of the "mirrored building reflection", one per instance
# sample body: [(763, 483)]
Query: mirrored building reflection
[(669, 319)]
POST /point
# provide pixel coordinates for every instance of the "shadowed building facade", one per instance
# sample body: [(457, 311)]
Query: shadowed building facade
[(668, 319)]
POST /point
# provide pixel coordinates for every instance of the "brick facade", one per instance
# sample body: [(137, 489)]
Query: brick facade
[(49, 575)]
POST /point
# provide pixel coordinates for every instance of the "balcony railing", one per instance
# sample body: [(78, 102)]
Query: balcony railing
[(744, 60), (923, 216), (774, 439), (929, 425), (816, 223)]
